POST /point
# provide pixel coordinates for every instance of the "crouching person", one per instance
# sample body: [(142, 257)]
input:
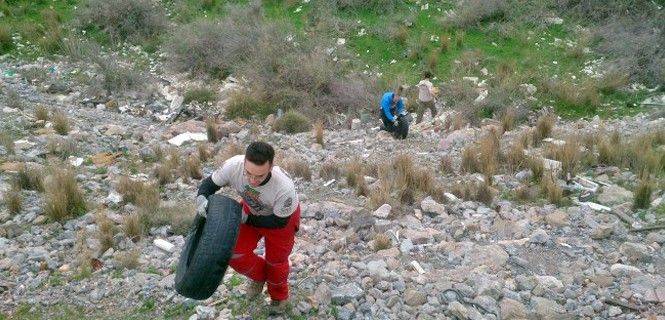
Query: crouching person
[(271, 211)]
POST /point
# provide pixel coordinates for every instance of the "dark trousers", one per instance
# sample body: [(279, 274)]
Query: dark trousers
[(387, 124)]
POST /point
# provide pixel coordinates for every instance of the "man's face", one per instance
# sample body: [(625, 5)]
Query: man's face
[(255, 173), (395, 98)]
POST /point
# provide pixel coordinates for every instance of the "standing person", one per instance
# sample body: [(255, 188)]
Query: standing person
[(271, 210), (425, 97), (391, 105)]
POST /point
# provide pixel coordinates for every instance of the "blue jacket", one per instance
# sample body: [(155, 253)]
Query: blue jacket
[(387, 105)]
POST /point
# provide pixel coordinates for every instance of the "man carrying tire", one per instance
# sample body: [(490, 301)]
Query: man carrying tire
[(271, 211)]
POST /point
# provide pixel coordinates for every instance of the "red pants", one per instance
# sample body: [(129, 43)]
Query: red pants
[(274, 269)]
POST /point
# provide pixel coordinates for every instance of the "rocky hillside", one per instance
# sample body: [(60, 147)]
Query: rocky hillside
[(458, 222)]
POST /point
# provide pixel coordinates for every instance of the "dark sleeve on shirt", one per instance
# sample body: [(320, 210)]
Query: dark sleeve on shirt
[(270, 222), (208, 187)]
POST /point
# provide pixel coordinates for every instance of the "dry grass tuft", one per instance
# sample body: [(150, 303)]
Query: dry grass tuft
[(41, 112), (163, 173), (470, 163), (446, 165), (544, 127), (191, 168), (361, 187), (433, 59), (474, 191), (64, 199), (130, 189), (444, 43), (13, 199), (204, 154), (515, 158), (353, 172), (105, 231), (60, 123), (7, 142), (30, 178), (551, 189), (329, 170), (537, 168), (525, 193), (230, 151), (178, 217), (298, 168), (643, 190), (292, 122), (459, 39), (212, 130), (132, 226), (318, 132), (380, 196), (382, 242), (61, 147), (129, 260), (508, 119), (489, 154)]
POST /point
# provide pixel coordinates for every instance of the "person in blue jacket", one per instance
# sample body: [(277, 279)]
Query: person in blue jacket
[(391, 105)]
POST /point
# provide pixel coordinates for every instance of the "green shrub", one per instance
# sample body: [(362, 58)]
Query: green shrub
[(133, 20), (246, 104), (117, 77), (292, 122), (6, 42), (217, 48), (201, 95), (473, 12)]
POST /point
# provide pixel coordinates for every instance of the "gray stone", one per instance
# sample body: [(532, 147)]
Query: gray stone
[(406, 246), (622, 270), (346, 293), (539, 236), (383, 211), (458, 310), (428, 205), (614, 311), (377, 269), (602, 231), (635, 251), (205, 312), (613, 195), (546, 308), (513, 309), (413, 297), (491, 256)]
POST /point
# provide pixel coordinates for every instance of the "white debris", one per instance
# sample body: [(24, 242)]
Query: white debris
[(341, 41), (76, 162), (593, 206), (417, 267), (163, 244), (329, 182), (184, 137)]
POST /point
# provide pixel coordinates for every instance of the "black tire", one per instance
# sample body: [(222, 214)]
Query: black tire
[(402, 128), (208, 249)]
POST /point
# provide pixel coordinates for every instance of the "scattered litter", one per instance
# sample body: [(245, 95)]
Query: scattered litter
[(329, 182), (76, 162), (551, 165), (593, 205), (451, 197), (163, 244), (184, 137), (417, 266), (341, 41)]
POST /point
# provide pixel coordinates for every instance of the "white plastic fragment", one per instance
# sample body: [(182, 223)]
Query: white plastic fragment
[(329, 182), (417, 266), (163, 244), (184, 137)]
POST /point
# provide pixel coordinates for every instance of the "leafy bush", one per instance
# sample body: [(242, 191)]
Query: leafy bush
[(473, 12), (6, 42), (216, 48), (133, 20), (292, 122), (248, 104), (201, 95)]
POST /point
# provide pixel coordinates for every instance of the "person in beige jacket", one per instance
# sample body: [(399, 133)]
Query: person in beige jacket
[(426, 97)]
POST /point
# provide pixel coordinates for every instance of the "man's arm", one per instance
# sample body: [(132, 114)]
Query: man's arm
[(400, 105), (385, 107), (207, 187)]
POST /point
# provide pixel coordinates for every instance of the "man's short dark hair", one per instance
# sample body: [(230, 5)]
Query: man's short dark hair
[(427, 74), (259, 152)]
